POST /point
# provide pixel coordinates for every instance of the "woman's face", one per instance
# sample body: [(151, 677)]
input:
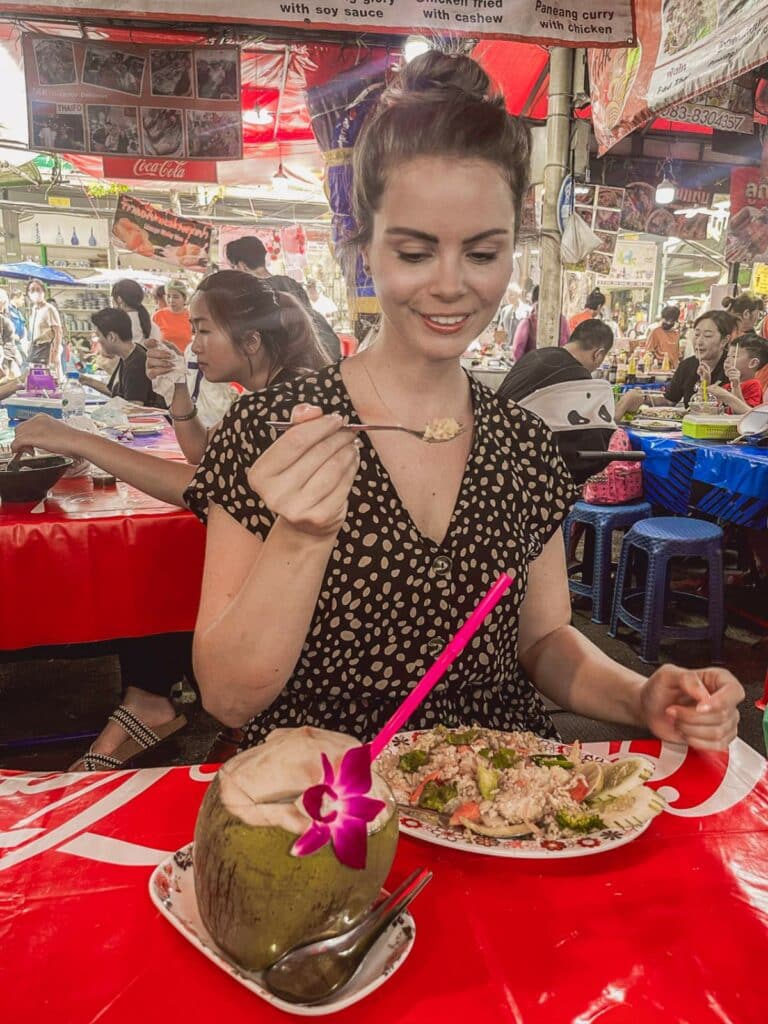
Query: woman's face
[(748, 321), (441, 253), (176, 301), (707, 342), (217, 356), (36, 296)]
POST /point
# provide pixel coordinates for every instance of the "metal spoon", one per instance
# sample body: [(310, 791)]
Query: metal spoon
[(310, 974)]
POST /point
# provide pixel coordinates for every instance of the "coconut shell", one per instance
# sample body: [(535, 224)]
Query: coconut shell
[(255, 898)]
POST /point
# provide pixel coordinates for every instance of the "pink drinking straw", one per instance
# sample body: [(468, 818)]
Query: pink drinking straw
[(344, 823), (442, 664)]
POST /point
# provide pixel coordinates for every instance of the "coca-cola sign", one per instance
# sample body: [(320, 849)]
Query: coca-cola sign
[(153, 169)]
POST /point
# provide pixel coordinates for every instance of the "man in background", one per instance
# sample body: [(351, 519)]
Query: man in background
[(249, 254), (664, 340)]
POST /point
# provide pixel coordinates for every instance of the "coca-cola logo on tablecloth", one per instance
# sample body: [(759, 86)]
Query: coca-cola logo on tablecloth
[(34, 822)]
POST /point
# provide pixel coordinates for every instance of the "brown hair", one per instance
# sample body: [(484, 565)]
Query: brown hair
[(738, 305), (243, 305), (437, 105)]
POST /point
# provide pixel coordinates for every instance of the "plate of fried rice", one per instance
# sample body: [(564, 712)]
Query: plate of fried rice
[(514, 794)]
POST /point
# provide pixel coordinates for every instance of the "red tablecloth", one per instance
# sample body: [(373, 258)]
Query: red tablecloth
[(671, 928), (98, 564)]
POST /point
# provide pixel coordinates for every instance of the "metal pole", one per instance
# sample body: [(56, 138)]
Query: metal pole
[(555, 169)]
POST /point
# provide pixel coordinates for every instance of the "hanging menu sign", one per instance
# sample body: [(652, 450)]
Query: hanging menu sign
[(593, 23), (119, 99)]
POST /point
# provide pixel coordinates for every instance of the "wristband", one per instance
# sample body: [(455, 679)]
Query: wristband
[(187, 415)]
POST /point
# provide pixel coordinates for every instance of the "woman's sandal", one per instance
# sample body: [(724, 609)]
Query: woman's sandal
[(141, 738)]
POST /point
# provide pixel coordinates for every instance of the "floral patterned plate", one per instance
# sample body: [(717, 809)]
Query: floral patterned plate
[(172, 890), (423, 825)]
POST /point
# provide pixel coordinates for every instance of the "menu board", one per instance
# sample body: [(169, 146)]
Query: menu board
[(747, 238), (593, 23), (121, 99)]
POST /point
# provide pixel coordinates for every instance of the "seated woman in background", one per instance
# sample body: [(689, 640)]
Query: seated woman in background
[(246, 332), (338, 564), (711, 333)]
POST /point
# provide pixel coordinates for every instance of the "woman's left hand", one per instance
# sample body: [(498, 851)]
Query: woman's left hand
[(694, 706)]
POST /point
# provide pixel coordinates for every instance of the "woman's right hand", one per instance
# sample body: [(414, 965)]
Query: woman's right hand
[(705, 373), (305, 477), (45, 432), (162, 358)]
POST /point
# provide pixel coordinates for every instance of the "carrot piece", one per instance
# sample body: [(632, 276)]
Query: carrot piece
[(469, 810), (416, 794)]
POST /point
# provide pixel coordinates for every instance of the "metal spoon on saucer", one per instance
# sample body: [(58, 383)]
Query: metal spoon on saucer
[(312, 973)]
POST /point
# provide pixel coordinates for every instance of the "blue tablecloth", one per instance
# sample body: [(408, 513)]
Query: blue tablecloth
[(729, 482)]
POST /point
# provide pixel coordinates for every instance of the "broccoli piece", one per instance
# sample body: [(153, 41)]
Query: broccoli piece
[(579, 822), (504, 758), (460, 739), (551, 761), (436, 795), (413, 760)]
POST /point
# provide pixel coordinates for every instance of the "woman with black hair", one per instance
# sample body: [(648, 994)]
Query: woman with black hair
[(129, 296)]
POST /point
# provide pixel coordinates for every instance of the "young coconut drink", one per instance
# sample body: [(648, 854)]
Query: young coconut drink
[(283, 856)]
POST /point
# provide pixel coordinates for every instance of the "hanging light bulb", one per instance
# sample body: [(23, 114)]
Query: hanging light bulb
[(260, 115), (666, 189)]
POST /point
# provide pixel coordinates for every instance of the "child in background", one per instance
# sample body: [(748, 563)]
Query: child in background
[(743, 359)]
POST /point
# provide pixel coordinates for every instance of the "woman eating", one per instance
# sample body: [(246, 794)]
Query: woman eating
[(243, 332), (339, 564), (711, 333)]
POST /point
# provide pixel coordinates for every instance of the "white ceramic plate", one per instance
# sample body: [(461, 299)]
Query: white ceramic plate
[(421, 825), (172, 890)]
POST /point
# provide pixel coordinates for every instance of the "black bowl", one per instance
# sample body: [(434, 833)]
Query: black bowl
[(33, 479)]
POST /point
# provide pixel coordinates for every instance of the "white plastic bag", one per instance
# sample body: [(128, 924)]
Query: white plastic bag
[(578, 241)]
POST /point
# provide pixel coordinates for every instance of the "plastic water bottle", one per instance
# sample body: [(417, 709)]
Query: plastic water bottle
[(72, 397)]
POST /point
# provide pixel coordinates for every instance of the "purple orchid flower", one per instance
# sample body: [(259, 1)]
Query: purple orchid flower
[(340, 810)]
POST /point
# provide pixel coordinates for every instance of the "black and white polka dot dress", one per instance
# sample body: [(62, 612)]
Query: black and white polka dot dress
[(391, 597)]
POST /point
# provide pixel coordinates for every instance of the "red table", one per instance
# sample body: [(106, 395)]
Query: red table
[(670, 928), (98, 564)]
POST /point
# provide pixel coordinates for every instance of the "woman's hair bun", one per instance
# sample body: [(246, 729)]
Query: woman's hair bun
[(434, 75)]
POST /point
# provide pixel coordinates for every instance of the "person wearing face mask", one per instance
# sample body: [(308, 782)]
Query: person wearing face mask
[(173, 321), (664, 340), (45, 330)]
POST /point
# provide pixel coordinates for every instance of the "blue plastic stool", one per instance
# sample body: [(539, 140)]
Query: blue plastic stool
[(595, 567), (662, 539)]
